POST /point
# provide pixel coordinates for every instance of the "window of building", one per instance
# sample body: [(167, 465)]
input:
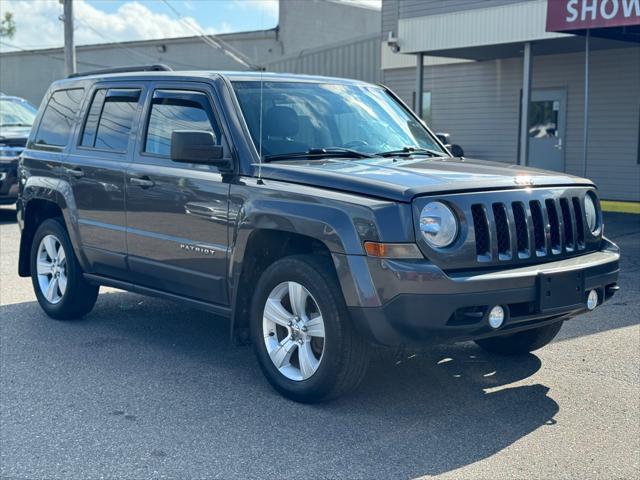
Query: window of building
[(173, 110), (57, 119), (110, 117), (426, 106)]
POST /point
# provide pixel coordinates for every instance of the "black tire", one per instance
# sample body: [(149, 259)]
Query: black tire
[(79, 296), (522, 342), (345, 355)]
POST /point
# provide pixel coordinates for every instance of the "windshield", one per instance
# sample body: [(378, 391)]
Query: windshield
[(16, 113), (302, 117)]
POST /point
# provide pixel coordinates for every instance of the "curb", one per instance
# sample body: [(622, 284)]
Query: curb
[(620, 207)]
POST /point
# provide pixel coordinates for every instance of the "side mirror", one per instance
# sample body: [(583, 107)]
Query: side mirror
[(456, 150), (197, 146)]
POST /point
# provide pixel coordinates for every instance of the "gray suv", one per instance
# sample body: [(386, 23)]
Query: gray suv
[(319, 215)]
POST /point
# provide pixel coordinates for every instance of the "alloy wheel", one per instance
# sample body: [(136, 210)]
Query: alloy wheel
[(52, 269), (293, 331)]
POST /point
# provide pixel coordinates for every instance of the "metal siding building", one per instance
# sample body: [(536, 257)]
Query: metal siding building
[(477, 98), (312, 36), (358, 58)]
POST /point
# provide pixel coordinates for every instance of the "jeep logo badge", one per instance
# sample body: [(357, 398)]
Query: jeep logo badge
[(523, 180)]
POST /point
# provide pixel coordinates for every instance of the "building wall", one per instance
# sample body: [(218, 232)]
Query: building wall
[(313, 23), (478, 104), (394, 10), (28, 74), (358, 59), (307, 24)]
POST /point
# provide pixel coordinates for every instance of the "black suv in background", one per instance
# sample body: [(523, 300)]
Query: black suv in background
[(319, 214), (16, 118)]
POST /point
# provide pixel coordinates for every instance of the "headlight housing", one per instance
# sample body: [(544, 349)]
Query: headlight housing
[(438, 225), (591, 212)]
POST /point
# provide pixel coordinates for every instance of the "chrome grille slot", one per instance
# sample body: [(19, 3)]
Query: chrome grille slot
[(577, 209), (538, 228), (554, 226), (522, 232), (569, 225), (502, 231), (481, 229)]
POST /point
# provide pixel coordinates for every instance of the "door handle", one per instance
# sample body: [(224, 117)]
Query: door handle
[(74, 172), (144, 182)]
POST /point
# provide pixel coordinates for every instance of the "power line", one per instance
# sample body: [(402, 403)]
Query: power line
[(120, 45), (36, 52), (215, 42)]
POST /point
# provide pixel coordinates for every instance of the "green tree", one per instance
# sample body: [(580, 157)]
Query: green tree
[(7, 25)]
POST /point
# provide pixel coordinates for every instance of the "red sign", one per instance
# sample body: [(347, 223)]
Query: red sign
[(564, 15)]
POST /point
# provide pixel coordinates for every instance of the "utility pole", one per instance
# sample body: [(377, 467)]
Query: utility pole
[(69, 47)]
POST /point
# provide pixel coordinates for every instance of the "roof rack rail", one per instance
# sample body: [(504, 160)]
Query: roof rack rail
[(158, 67)]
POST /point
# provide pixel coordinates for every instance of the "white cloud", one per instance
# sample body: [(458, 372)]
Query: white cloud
[(38, 24)]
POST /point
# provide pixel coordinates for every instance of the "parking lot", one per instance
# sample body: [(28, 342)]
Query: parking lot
[(146, 388)]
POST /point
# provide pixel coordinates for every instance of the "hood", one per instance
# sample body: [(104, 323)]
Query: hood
[(402, 179), (14, 133)]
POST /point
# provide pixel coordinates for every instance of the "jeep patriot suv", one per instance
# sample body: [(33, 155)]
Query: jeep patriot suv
[(319, 215)]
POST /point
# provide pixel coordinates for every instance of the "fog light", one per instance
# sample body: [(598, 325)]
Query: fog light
[(592, 300), (496, 316)]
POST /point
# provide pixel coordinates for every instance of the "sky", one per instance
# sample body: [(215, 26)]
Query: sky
[(103, 21)]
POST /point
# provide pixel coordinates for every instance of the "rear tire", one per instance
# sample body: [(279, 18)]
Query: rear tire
[(522, 342), (308, 349), (57, 279)]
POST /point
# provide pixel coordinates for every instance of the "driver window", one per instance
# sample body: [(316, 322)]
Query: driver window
[(169, 114)]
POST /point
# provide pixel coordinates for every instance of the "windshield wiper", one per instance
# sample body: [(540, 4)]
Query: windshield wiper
[(319, 153), (408, 151), (14, 125)]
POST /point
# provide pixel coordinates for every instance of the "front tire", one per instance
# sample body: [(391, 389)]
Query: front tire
[(57, 279), (302, 334), (522, 342)]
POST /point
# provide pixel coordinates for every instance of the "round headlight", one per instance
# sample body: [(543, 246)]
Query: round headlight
[(438, 224), (591, 212)]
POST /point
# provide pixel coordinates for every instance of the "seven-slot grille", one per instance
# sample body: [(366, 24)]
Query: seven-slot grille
[(528, 229)]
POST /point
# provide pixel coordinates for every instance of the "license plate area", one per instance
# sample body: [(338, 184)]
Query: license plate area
[(560, 291)]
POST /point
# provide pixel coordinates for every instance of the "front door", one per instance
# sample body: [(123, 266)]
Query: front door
[(177, 213), (547, 113)]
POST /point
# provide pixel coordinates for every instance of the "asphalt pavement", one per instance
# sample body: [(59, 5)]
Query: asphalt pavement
[(144, 388)]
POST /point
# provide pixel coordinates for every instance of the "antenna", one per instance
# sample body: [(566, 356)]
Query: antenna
[(260, 182), (260, 140)]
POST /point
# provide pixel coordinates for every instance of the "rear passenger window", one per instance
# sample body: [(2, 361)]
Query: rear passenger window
[(177, 110), (110, 117), (57, 119)]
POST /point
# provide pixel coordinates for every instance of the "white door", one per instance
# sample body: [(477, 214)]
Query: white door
[(547, 115)]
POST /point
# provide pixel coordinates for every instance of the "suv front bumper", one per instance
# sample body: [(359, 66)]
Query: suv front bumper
[(8, 181), (414, 302)]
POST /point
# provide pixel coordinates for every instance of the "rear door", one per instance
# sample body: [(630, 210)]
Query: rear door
[(177, 213), (95, 169)]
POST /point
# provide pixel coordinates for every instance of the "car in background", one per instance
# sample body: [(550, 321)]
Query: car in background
[(16, 117), (455, 149)]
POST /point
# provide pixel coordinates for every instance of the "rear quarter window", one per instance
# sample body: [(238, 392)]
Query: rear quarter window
[(58, 117)]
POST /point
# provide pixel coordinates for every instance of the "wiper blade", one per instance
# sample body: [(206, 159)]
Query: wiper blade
[(319, 153), (408, 151), (14, 125)]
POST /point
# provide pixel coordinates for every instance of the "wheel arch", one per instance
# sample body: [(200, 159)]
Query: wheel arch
[(262, 248), (43, 198)]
